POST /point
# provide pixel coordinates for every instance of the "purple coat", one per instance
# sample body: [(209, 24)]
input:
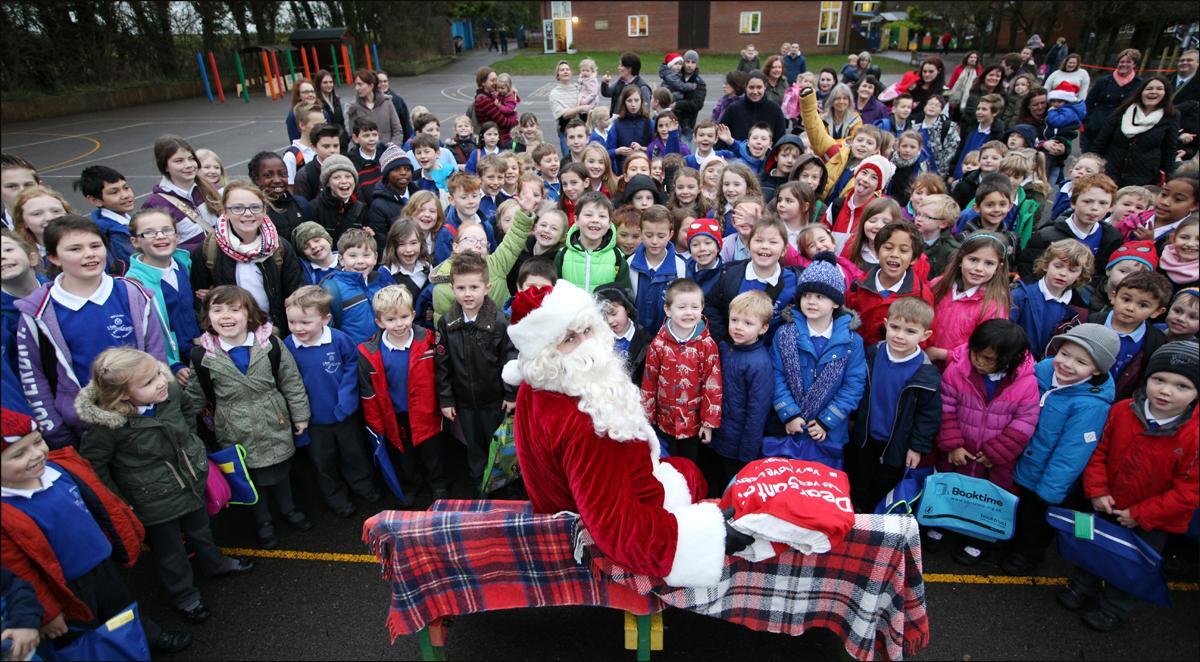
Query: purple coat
[(873, 111), (158, 200), (1001, 427), (54, 408)]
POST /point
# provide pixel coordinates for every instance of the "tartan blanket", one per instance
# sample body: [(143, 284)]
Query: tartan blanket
[(464, 557)]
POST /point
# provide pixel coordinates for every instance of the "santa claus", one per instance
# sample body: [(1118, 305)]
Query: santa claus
[(585, 446)]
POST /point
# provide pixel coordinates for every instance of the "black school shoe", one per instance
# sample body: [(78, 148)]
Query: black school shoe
[(1102, 621), (196, 615), (1070, 598), (1017, 563), (969, 555), (171, 641), (237, 567), (266, 536), (299, 520)]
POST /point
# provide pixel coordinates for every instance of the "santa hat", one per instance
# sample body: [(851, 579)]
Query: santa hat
[(1064, 91), (704, 227), (547, 324), (527, 301), (883, 169), (14, 426), (671, 58), (1139, 251)]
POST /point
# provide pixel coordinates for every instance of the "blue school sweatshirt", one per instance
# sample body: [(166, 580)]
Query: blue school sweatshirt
[(650, 285), (329, 370), (94, 327), (888, 379), (60, 513), (395, 369), (1039, 316), (352, 293)]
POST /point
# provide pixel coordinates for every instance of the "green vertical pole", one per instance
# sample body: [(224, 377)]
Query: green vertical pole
[(350, 52), (291, 65), (237, 59), (333, 54), (643, 638)]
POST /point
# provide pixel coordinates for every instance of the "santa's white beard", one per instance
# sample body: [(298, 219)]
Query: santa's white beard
[(596, 375)]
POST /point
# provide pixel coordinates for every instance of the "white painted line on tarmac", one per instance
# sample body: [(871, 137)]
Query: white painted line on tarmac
[(67, 137), (144, 149)]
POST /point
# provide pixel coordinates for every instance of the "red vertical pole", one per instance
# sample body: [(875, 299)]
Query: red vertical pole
[(367, 57), (316, 62), (304, 61), (267, 78), (346, 65), (216, 76), (278, 77)]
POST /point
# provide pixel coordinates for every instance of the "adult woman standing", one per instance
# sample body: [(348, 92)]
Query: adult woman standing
[(245, 250), (776, 82), (1071, 72), (370, 103), (488, 108), (869, 108), (564, 97), (303, 91), (330, 102), (826, 80), (865, 68), (969, 66), (688, 108), (931, 83), (990, 82), (1110, 91), (840, 119), (1139, 139)]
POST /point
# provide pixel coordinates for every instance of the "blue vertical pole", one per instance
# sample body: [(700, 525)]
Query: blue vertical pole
[(375, 54), (204, 76)]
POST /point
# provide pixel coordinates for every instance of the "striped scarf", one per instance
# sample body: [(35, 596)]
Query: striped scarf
[(810, 399)]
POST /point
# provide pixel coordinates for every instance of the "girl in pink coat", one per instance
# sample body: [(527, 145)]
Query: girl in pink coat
[(989, 409), (973, 289)]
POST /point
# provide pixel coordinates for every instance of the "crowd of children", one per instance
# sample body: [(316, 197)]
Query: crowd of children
[(876, 301)]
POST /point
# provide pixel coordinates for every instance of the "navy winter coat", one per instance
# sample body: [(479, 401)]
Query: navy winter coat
[(746, 372)]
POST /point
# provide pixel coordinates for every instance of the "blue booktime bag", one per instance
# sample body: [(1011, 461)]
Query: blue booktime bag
[(1111, 552), (974, 507)]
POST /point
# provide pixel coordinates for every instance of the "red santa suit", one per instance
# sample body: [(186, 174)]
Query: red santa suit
[(638, 509)]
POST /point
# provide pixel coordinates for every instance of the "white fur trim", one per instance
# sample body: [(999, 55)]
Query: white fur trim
[(676, 495), (700, 547), (512, 373), (769, 527)]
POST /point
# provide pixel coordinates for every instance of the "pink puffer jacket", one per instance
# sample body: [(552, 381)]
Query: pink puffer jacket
[(1001, 428), (954, 321)]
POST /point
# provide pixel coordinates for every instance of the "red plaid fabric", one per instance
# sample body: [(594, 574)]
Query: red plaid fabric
[(464, 557), (869, 589)]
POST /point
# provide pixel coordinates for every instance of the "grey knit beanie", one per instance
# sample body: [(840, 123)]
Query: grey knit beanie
[(337, 163), (1099, 341), (691, 56), (823, 276)]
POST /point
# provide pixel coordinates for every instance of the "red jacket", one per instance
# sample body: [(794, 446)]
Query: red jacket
[(681, 385), (424, 417), (1153, 473), (864, 299), (25, 551)]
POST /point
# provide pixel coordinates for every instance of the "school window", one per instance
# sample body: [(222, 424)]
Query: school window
[(750, 22), (866, 7), (639, 25), (830, 25)]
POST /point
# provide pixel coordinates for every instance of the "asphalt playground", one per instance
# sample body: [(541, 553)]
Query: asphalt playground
[(320, 596)]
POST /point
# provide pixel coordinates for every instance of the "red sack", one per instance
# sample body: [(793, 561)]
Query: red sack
[(805, 505)]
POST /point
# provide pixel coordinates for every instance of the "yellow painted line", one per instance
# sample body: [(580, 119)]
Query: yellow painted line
[(930, 578), (95, 147), (293, 555)]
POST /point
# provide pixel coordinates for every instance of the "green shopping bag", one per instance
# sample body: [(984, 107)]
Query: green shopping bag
[(502, 468)]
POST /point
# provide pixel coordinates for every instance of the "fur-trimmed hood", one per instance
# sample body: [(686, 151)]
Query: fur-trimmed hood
[(92, 413)]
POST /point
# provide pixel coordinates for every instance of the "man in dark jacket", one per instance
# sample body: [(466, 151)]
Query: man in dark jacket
[(753, 108), (628, 73), (688, 108)]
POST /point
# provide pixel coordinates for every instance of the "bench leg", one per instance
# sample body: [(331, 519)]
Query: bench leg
[(433, 642), (643, 634)]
